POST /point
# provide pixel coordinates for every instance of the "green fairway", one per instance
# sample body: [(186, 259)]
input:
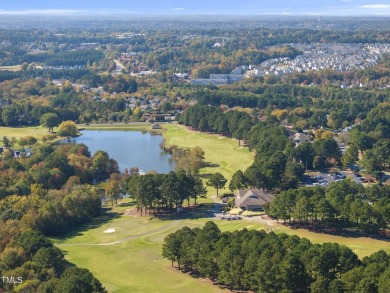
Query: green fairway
[(135, 266), (129, 259), (219, 150)]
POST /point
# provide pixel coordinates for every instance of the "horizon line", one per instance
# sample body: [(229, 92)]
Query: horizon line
[(78, 13)]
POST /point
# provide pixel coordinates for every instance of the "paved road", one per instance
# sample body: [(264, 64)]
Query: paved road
[(217, 207), (162, 228)]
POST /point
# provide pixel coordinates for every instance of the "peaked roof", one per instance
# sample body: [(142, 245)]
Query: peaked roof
[(253, 198), (241, 192)]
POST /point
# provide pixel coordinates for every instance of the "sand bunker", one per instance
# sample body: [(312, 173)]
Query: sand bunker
[(111, 230)]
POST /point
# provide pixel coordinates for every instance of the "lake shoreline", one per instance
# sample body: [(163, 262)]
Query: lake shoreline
[(129, 147), (137, 126)]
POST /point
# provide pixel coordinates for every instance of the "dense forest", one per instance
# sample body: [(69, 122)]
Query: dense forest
[(57, 181), (47, 194)]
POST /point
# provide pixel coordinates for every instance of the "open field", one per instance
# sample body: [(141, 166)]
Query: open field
[(11, 68), (129, 260), (219, 150)]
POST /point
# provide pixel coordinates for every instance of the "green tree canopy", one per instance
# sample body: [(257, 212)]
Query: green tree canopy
[(217, 180), (68, 129), (49, 120)]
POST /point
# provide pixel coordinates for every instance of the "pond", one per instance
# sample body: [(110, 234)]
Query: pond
[(129, 149)]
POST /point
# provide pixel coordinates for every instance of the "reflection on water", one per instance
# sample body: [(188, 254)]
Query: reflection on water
[(129, 149)]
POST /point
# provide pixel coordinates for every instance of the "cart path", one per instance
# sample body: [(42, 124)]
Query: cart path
[(162, 228)]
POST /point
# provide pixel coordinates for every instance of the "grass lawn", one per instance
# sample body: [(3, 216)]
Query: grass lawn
[(18, 132), (129, 260), (11, 68), (219, 150)]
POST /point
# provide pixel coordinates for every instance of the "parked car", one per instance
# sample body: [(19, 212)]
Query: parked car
[(338, 175), (355, 168)]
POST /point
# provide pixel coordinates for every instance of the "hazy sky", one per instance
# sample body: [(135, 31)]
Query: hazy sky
[(197, 7)]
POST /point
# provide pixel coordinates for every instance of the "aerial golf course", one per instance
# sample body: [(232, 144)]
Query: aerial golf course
[(129, 259), (123, 250)]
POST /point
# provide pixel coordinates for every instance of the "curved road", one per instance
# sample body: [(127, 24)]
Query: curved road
[(162, 228)]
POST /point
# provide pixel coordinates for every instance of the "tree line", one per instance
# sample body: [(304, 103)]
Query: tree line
[(69, 58), (344, 204), (211, 119), (267, 262), (155, 192), (305, 106), (278, 162)]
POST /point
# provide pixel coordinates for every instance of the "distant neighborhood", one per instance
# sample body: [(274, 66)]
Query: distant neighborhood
[(317, 56)]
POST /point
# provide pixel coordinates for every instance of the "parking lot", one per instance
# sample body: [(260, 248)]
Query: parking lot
[(324, 178)]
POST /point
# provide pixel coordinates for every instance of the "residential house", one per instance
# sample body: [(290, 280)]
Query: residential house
[(298, 138)]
